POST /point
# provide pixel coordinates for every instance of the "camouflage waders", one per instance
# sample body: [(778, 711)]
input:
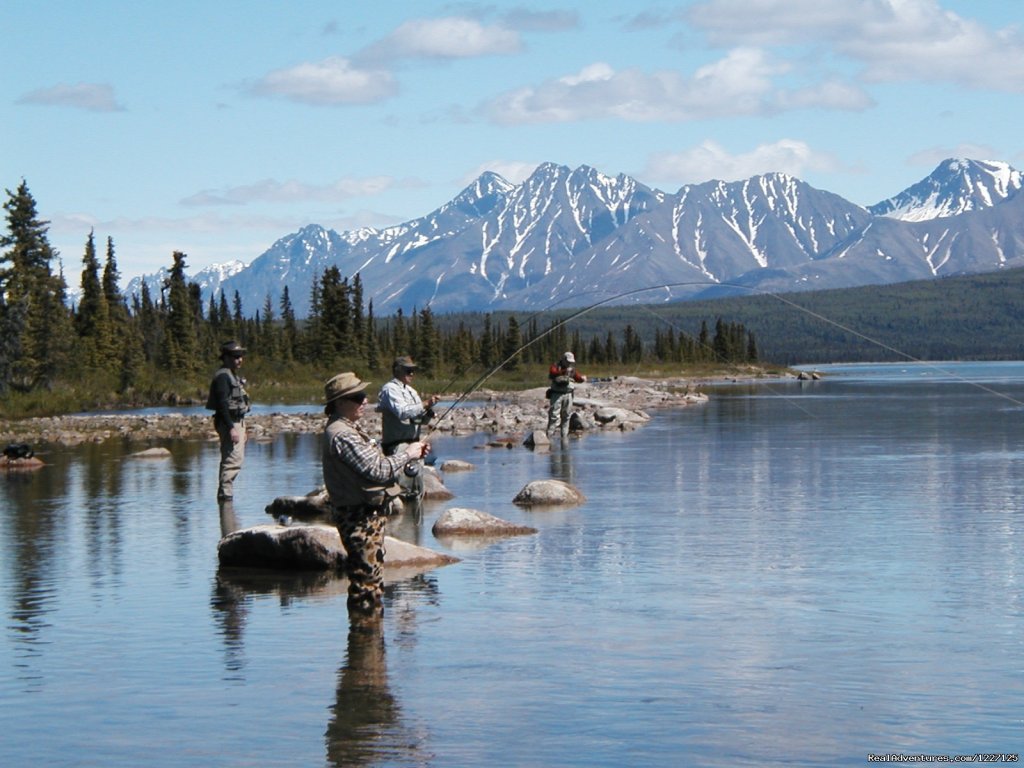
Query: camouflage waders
[(362, 533)]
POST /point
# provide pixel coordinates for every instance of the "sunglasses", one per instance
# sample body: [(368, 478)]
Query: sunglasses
[(357, 398)]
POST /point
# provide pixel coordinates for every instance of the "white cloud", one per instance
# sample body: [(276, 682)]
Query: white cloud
[(710, 160), (738, 84), (932, 156), (330, 82), (541, 21), (273, 191), (93, 97), (777, 22), (445, 38), (512, 171), (893, 40)]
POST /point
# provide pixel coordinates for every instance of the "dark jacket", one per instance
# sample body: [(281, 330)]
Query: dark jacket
[(228, 399)]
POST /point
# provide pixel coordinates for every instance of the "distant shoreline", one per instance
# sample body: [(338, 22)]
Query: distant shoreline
[(486, 411)]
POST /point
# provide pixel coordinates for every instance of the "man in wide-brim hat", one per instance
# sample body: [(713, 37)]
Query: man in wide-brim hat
[(230, 403), (359, 479)]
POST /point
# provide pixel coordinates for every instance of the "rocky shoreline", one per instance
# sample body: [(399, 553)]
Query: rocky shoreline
[(624, 398)]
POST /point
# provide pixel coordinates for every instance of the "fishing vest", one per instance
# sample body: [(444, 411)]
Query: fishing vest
[(238, 399), (564, 382), (345, 486)]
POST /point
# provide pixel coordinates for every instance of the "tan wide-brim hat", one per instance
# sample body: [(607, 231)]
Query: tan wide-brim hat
[(343, 384)]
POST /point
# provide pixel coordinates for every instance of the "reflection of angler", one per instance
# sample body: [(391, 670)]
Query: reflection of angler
[(365, 725)]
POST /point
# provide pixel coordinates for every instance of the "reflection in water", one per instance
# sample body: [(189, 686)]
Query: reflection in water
[(35, 526), (228, 519), (365, 715), (366, 725), (562, 463), (230, 604), (233, 593)]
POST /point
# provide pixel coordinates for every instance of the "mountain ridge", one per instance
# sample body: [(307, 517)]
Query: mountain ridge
[(570, 236)]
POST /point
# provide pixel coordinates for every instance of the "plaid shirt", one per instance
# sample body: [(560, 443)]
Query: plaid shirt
[(362, 454)]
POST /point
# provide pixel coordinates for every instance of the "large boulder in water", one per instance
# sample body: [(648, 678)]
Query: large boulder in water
[(610, 416), (458, 521), (434, 488), (311, 547), (549, 492)]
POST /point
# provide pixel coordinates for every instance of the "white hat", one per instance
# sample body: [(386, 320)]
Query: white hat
[(568, 357)]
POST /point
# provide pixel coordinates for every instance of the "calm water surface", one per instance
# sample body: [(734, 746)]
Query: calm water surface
[(793, 574)]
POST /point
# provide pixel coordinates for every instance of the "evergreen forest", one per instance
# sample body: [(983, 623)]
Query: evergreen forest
[(110, 350)]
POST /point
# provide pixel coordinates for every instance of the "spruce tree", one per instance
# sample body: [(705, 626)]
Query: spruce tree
[(289, 328), (511, 343), (32, 297), (92, 321), (180, 352)]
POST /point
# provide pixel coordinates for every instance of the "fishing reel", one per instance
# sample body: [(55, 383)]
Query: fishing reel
[(412, 469)]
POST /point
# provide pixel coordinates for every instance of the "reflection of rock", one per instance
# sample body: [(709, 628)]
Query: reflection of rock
[(458, 521), (311, 547), (151, 453), (548, 492), (19, 465)]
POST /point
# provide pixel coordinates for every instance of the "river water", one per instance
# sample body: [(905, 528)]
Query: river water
[(799, 574)]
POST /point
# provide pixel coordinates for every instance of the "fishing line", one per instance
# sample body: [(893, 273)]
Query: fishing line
[(791, 401), (664, 286)]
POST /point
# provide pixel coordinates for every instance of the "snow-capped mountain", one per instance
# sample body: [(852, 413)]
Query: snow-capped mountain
[(574, 237), (955, 187), (209, 280)]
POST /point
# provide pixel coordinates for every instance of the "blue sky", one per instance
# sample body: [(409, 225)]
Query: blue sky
[(214, 128)]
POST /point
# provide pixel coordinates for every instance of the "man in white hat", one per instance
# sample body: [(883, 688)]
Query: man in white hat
[(361, 481), (564, 377), (230, 403)]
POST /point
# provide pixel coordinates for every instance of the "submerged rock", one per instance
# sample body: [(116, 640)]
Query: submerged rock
[(549, 492), (21, 465), (151, 453)]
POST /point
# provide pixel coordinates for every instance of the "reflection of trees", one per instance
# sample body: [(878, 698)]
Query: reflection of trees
[(37, 529), (230, 605), (232, 596)]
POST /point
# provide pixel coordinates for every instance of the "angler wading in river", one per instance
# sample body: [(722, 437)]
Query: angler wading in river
[(403, 414), (361, 483), (230, 403)]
